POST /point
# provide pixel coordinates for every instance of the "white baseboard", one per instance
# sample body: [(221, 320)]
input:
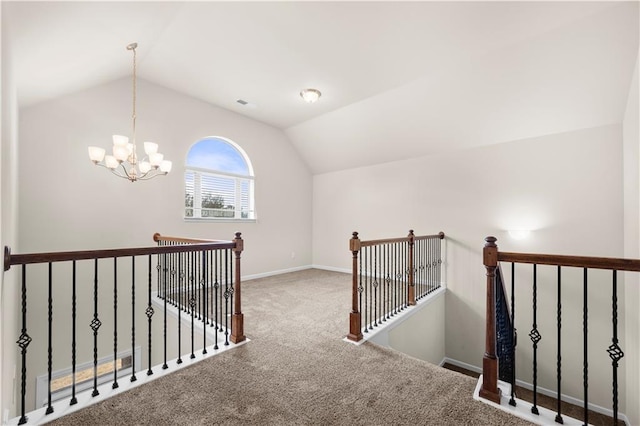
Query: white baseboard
[(547, 392), (278, 272), (332, 269)]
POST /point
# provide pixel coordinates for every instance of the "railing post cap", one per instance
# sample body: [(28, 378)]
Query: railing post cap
[(490, 241), (238, 235), (7, 258), (354, 235), (441, 235)]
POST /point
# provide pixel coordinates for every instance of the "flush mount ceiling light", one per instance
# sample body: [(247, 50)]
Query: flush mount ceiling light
[(310, 95), (124, 162)]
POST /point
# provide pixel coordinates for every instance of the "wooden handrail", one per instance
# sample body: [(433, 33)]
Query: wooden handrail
[(611, 263), (157, 237), (399, 240), (28, 258)]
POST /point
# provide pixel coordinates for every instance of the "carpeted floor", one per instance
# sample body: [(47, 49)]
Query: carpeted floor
[(296, 370)]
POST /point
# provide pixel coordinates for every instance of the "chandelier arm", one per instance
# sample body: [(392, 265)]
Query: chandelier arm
[(149, 175)]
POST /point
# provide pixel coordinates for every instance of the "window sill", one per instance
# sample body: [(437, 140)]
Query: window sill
[(219, 220)]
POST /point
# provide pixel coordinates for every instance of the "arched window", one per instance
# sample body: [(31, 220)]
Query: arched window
[(218, 181)]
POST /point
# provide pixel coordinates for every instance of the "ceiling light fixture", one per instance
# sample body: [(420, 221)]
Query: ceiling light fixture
[(124, 161), (310, 95)]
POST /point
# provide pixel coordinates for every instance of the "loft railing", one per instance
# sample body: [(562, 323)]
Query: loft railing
[(207, 289), (80, 281), (491, 257), (390, 275)]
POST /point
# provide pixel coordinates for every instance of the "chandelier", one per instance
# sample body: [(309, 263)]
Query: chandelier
[(124, 162)]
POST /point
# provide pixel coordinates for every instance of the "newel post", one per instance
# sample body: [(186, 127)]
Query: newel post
[(237, 320), (489, 389), (355, 328), (411, 271)]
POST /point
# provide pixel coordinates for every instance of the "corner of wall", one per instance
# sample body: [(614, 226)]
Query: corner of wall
[(631, 153)]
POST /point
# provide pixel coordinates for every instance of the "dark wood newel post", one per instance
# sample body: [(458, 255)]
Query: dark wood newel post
[(237, 320), (355, 329), (411, 271), (489, 389)]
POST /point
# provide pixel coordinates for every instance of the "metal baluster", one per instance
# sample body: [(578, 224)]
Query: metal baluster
[(614, 350), (180, 277), (559, 353), (95, 325), (535, 338), (133, 319), (376, 279), (226, 297), (512, 401), (115, 324), (395, 280), (192, 300), (231, 281), (74, 400), (367, 287), (585, 365), (50, 340), (204, 302), (361, 287), (216, 288), (149, 312), (23, 343), (165, 279)]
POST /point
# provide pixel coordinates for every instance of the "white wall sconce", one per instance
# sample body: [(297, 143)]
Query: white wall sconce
[(519, 234)]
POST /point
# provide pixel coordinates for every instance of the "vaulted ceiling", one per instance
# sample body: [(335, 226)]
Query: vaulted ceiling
[(398, 79)]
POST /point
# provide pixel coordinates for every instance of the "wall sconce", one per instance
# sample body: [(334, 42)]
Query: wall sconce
[(519, 234)]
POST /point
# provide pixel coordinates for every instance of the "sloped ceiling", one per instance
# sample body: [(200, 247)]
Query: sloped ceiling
[(399, 79)]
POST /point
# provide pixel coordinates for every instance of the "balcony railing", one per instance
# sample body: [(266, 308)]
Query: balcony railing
[(390, 275), (79, 308)]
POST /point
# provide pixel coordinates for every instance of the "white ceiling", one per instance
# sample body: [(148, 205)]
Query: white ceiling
[(399, 79)]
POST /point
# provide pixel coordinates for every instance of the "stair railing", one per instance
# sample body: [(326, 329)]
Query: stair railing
[(96, 273), (390, 275), (490, 364)]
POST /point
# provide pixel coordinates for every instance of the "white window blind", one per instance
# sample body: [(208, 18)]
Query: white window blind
[(218, 194)]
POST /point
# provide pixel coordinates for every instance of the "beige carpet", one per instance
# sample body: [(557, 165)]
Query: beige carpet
[(296, 370)]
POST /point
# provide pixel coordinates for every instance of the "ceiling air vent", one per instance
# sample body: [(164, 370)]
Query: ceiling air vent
[(242, 102)]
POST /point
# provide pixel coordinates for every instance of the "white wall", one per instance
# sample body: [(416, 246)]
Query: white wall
[(566, 187), (630, 131), (66, 203), (93, 209), (8, 285)]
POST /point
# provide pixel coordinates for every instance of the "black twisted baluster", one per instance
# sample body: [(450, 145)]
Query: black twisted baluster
[(192, 301), (535, 338), (23, 343), (226, 298), (360, 286), (367, 293), (512, 401), (585, 367), (232, 288), (74, 400), (50, 342), (614, 350), (95, 325), (203, 281), (180, 278), (375, 286), (115, 323), (165, 278), (216, 287), (149, 312), (559, 354), (133, 319)]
